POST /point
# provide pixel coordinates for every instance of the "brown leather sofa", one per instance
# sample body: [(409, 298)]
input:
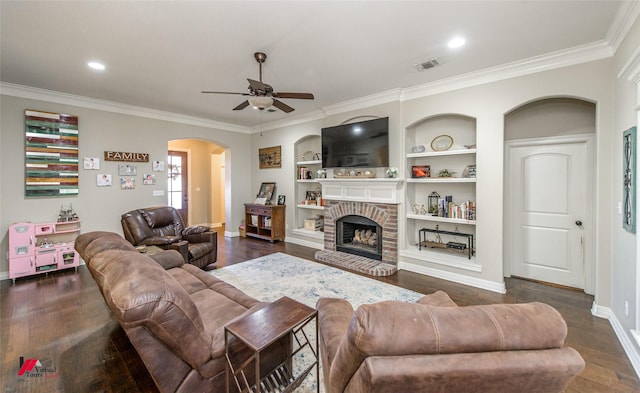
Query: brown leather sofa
[(435, 346), (163, 227), (172, 312)]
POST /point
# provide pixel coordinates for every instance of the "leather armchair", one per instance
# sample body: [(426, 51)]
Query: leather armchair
[(163, 227)]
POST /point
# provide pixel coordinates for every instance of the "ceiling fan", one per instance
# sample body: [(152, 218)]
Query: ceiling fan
[(261, 95)]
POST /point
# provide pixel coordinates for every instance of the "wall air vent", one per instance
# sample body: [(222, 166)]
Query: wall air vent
[(427, 64)]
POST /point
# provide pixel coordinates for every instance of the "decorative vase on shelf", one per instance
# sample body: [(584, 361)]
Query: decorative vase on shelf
[(392, 172)]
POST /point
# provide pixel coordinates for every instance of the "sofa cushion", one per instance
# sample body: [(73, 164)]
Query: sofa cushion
[(140, 293)]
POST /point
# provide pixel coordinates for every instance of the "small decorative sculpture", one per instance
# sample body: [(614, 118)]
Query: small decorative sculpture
[(66, 213), (419, 209)]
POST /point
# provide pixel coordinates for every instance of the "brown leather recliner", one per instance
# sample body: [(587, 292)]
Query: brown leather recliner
[(435, 346), (163, 227)]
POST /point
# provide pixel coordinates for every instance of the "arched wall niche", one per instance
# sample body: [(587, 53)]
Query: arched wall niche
[(550, 117)]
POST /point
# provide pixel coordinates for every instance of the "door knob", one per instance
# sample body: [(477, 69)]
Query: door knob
[(579, 223)]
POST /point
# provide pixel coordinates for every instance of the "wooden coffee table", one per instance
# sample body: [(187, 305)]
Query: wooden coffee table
[(264, 327)]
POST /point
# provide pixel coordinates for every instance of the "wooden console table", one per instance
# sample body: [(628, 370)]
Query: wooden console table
[(258, 331), (265, 222)]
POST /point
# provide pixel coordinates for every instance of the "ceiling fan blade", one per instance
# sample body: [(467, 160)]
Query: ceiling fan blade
[(282, 106), (257, 86), (226, 92), (299, 96), (241, 106)]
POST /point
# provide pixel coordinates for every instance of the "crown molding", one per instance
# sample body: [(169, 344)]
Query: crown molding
[(627, 13), (33, 93), (276, 124), (576, 55), (384, 97), (631, 69)]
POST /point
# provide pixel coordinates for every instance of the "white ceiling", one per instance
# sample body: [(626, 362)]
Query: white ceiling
[(161, 55)]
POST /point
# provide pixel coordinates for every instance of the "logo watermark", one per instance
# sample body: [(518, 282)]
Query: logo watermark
[(33, 368)]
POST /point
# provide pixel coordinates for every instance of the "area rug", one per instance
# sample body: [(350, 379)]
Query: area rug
[(270, 277)]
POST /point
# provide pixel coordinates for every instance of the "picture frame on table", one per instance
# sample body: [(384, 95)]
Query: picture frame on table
[(266, 193)]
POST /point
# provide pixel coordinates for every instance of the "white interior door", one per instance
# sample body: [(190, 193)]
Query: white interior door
[(548, 197)]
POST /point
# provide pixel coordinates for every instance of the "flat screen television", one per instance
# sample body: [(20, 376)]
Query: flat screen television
[(360, 144)]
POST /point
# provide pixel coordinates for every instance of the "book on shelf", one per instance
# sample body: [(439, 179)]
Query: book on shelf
[(463, 211)]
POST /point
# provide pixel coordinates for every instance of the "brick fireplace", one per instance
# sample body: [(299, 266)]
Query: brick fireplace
[(367, 206)]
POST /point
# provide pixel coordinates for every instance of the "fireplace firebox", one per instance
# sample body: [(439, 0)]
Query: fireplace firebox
[(359, 235)]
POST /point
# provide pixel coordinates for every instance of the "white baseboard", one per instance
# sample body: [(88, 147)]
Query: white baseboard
[(231, 234), (4, 275), (627, 344), (493, 286)]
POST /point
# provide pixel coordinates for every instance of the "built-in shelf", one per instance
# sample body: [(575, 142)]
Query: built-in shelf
[(441, 153), (425, 217), (442, 180), (312, 162), (308, 180), (314, 207), (442, 258)]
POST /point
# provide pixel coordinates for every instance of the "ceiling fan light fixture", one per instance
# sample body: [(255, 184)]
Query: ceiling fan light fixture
[(261, 102)]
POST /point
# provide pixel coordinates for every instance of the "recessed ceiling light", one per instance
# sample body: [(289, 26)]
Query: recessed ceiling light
[(96, 66), (456, 42)]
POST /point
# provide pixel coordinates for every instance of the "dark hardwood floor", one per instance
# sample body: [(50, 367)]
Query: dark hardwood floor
[(61, 320)]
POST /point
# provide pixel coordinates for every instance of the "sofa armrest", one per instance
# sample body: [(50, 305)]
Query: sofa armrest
[(182, 247), (200, 237), (160, 241), (334, 316), (168, 259)]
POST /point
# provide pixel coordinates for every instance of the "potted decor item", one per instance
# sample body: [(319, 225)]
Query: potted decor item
[(392, 172)]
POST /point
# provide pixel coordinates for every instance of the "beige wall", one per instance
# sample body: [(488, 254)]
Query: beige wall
[(488, 104), (100, 208)]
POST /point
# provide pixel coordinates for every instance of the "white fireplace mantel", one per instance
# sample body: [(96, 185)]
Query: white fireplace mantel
[(382, 190)]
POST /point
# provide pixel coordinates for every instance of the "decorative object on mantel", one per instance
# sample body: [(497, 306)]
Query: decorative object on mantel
[(51, 154), (392, 172), (342, 173), (441, 143), (322, 173), (445, 173), (629, 179), (270, 157), (418, 149)]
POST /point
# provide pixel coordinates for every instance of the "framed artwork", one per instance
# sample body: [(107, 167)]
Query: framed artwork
[(270, 157), (629, 139), (91, 163), (103, 180), (51, 154), (281, 199), (148, 179), (266, 192), (127, 183), (418, 171), (127, 170), (158, 166)]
